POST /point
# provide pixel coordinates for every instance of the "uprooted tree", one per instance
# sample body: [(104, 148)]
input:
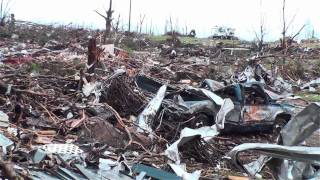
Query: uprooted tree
[(108, 20)]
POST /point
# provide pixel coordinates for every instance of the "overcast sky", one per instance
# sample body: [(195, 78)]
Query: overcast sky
[(201, 15)]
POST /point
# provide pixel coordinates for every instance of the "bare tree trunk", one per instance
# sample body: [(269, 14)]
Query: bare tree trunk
[(312, 34), (150, 27), (166, 27), (108, 20), (129, 17), (284, 42), (171, 25), (186, 30), (2, 16), (284, 26), (4, 12), (92, 49), (260, 46), (147, 27), (141, 22), (116, 27), (12, 23), (261, 39)]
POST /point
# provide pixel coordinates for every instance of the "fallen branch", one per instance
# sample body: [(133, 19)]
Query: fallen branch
[(4, 88), (48, 112), (120, 121)]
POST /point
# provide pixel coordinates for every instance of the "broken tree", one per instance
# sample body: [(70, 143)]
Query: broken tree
[(108, 20)]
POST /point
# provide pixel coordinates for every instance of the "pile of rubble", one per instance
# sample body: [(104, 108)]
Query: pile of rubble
[(84, 111)]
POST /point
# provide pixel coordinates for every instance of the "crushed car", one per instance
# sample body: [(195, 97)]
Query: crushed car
[(253, 110)]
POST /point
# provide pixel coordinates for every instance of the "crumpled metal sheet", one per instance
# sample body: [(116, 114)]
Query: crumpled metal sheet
[(70, 149), (39, 175), (226, 107), (181, 171), (5, 143), (148, 114), (257, 73), (212, 84), (302, 125), (311, 84), (71, 174), (92, 88), (261, 113), (194, 107), (111, 170), (89, 174), (280, 85), (150, 85), (154, 172), (4, 119), (290, 161), (248, 75), (254, 73), (215, 98), (296, 153), (187, 134)]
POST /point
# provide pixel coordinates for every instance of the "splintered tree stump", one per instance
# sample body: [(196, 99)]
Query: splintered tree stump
[(92, 56)]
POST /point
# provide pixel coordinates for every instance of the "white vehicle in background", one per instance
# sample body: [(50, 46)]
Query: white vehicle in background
[(223, 32)]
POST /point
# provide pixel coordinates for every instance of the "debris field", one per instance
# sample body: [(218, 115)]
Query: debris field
[(72, 107)]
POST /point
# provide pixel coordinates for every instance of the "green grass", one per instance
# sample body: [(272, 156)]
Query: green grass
[(4, 33), (34, 67), (128, 49), (158, 38), (190, 40), (194, 41), (309, 96), (312, 45), (184, 40)]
